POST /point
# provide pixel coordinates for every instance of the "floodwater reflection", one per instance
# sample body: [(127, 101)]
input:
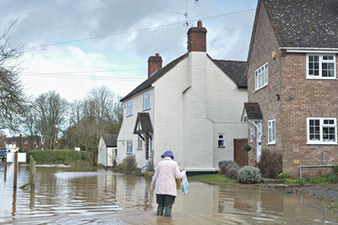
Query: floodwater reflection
[(63, 196)]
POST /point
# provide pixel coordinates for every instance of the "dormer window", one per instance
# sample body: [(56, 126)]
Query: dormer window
[(321, 66)]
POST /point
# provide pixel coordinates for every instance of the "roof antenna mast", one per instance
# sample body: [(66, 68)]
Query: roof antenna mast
[(186, 14)]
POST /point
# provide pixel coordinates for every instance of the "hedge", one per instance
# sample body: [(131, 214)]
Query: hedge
[(56, 156)]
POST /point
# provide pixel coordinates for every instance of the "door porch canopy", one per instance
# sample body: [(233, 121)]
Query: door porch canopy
[(143, 126)]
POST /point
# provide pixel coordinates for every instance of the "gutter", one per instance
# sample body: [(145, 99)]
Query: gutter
[(309, 50)]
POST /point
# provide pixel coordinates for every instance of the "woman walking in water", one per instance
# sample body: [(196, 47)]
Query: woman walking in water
[(164, 183)]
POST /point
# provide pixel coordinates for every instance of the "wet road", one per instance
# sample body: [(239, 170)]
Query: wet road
[(63, 196)]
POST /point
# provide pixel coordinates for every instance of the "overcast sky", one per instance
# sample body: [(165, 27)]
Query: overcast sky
[(73, 46)]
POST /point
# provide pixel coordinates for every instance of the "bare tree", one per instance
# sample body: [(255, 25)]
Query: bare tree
[(98, 117), (50, 111), (12, 103)]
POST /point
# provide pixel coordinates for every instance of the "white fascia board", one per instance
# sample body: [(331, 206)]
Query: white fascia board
[(309, 50)]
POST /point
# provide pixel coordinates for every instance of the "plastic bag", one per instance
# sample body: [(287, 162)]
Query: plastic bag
[(185, 185)]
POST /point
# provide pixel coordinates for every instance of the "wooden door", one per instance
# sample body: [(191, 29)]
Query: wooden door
[(240, 155)]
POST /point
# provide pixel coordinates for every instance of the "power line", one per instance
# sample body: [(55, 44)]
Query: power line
[(132, 31)]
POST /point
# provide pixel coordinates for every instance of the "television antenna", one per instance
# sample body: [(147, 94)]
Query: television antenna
[(186, 13)]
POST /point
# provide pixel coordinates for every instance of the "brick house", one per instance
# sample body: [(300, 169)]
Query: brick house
[(292, 84), (25, 143)]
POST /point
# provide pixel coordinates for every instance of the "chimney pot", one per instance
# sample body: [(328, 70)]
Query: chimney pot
[(199, 24)]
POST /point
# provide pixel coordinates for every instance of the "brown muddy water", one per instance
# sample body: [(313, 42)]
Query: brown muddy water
[(63, 196)]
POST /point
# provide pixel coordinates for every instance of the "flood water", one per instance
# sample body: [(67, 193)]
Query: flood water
[(63, 196)]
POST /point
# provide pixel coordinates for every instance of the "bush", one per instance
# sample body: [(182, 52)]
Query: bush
[(55, 156), (283, 175), (335, 169), (270, 164), (228, 168), (128, 165), (249, 175), (231, 170)]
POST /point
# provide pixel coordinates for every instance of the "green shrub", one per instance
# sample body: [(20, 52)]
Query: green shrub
[(55, 156), (295, 181), (335, 169), (231, 170), (270, 164), (249, 175), (283, 175), (228, 168), (128, 165)]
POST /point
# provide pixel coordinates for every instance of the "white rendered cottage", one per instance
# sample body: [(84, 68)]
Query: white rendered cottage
[(107, 150), (191, 106)]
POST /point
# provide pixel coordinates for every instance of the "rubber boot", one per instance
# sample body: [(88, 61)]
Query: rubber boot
[(160, 208), (168, 210)]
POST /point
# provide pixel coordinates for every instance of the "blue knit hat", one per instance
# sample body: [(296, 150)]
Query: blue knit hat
[(168, 154)]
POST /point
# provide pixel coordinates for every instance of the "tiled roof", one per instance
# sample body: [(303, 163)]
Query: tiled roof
[(304, 23), (235, 70), (147, 83), (110, 140), (253, 111)]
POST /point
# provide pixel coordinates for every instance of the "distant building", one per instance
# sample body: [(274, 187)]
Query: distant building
[(191, 106), (24, 143), (107, 150)]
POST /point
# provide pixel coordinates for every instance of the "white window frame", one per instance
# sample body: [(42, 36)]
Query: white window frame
[(321, 126), (219, 138), (146, 100), (321, 61), (252, 134), (129, 110), (129, 147), (261, 76), (139, 143), (272, 132)]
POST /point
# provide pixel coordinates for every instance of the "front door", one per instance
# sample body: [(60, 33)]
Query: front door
[(240, 155)]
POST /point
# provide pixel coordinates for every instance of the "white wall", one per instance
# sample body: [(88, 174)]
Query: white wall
[(168, 114), (224, 109), (127, 129), (101, 158)]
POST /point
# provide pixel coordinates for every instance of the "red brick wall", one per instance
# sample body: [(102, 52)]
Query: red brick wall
[(264, 43), (312, 98)]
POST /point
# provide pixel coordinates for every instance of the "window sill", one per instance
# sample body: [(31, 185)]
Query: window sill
[(321, 143), (129, 115), (220, 146), (139, 149), (321, 78), (261, 88), (146, 109), (272, 143), (129, 153)]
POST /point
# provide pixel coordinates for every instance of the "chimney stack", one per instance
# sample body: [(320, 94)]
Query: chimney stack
[(154, 64), (197, 38)]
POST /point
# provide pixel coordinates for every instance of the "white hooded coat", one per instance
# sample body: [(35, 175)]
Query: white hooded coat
[(164, 179)]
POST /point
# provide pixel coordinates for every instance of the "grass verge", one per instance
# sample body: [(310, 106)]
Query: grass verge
[(212, 179)]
